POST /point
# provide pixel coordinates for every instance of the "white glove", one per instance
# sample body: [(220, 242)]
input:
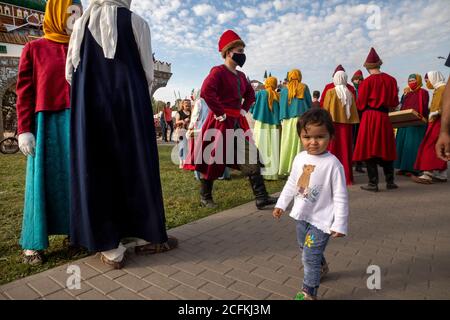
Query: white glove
[(221, 118), (27, 144), (243, 112)]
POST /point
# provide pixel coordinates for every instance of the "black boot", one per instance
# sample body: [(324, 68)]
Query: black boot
[(388, 169), (372, 172), (206, 194), (259, 190), (359, 167)]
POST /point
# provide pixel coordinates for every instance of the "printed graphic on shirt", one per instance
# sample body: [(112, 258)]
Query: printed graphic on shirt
[(309, 240), (303, 182), (307, 193)]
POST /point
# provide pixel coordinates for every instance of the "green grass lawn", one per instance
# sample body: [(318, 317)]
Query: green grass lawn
[(181, 200)]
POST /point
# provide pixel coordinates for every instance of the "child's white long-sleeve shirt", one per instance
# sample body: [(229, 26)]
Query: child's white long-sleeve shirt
[(317, 185)]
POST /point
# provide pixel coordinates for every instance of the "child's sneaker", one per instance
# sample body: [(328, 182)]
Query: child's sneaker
[(304, 296)]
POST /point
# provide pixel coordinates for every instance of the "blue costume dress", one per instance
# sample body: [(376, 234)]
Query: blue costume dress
[(266, 133)]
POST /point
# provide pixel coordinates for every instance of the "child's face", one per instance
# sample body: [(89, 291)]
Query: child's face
[(315, 139)]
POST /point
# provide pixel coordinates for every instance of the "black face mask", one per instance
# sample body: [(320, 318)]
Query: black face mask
[(239, 58)]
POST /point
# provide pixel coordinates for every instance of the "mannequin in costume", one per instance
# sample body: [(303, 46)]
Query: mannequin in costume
[(340, 102), (115, 185), (434, 169), (377, 96), (43, 126), (295, 100), (409, 139), (229, 95), (266, 133)]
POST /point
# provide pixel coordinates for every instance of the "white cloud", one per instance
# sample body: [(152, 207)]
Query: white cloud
[(225, 17), (203, 10)]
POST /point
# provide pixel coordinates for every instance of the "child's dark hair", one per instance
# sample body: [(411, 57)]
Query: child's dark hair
[(317, 117), (316, 94)]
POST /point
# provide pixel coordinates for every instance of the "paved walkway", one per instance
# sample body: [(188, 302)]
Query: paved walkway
[(243, 253)]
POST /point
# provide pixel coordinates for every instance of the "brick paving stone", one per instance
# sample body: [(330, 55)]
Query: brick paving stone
[(189, 267), (59, 295), (188, 279), (84, 287), (103, 284), (124, 294), (45, 286), (22, 293), (270, 274), (161, 281), (237, 264), (219, 292), (275, 287), (155, 293), (217, 278), (92, 295), (114, 274), (250, 291), (187, 293), (136, 270), (216, 267), (245, 277), (165, 270), (132, 283)]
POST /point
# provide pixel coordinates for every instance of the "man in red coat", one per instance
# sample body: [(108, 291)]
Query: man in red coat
[(229, 95), (377, 96), (331, 85)]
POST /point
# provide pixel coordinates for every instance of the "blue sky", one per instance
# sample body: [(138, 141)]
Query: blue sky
[(313, 36)]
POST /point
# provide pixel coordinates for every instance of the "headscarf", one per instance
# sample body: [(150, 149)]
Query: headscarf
[(436, 79), (102, 17), (55, 20), (296, 89), (418, 79), (271, 84), (346, 97)]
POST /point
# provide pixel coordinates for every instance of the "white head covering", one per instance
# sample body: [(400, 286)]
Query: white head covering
[(436, 79), (346, 97), (102, 17)]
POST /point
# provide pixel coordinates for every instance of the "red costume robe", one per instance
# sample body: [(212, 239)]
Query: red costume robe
[(225, 93), (377, 95), (41, 86)]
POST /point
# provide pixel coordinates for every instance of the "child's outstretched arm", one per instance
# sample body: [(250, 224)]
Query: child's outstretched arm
[(340, 203), (289, 191)]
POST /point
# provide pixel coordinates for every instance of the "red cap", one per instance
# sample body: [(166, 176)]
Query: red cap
[(358, 75), (373, 60), (338, 68), (228, 39)]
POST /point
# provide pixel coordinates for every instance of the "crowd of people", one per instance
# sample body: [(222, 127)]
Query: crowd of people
[(88, 180)]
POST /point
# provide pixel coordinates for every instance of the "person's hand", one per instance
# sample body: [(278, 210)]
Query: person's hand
[(243, 112), (27, 144), (443, 146), (189, 134), (221, 118), (335, 234), (277, 213)]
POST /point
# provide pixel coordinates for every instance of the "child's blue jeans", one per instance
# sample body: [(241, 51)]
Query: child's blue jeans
[(312, 242)]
